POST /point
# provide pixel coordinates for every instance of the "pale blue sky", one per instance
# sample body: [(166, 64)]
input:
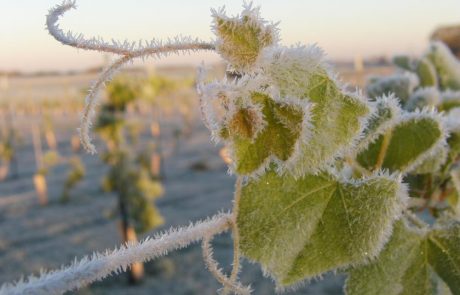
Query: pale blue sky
[(343, 28)]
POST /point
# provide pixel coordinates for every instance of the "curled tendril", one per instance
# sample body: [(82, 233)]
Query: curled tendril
[(213, 267), (127, 50)]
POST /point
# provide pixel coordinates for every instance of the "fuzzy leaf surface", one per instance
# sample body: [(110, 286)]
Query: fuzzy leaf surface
[(277, 138), (300, 228), (387, 110), (403, 145), (444, 255), (336, 120), (336, 115), (446, 64), (411, 263), (427, 73), (398, 84), (401, 268), (241, 40)]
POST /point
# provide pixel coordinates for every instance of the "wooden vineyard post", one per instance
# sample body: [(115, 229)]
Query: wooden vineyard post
[(75, 143), (51, 139), (156, 160), (136, 271), (39, 179), (4, 168)]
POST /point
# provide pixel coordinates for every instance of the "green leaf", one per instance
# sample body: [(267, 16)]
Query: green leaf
[(336, 120), (449, 100), (400, 85), (433, 163), (405, 145), (423, 97), (241, 39), (446, 64), (427, 73), (454, 198), (386, 111), (401, 268), (336, 116), (404, 62), (245, 123), (283, 126), (444, 255), (300, 228), (411, 263)]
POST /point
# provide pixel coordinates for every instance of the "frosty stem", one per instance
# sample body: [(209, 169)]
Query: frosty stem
[(99, 266)]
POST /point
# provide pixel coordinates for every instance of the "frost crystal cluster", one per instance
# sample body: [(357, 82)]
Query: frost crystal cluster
[(327, 179)]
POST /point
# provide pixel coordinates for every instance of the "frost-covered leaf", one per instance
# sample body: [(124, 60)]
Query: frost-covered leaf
[(423, 97), (245, 123), (449, 100), (386, 112), (406, 144), (399, 84), (446, 64), (336, 116), (300, 228), (404, 62), (336, 122), (454, 198), (293, 69), (276, 140), (401, 268), (426, 73), (242, 38), (434, 162), (411, 263), (444, 254), (453, 141)]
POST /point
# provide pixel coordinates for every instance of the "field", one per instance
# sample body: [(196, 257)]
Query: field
[(34, 237)]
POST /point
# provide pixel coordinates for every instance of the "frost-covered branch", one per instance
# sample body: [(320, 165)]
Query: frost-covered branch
[(99, 266), (128, 50)]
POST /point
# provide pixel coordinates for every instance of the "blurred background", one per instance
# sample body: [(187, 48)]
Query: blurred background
[(156, 166)]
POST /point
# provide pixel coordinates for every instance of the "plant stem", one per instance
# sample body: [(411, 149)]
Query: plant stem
[(101, 265), (384, 148), (236, 234)]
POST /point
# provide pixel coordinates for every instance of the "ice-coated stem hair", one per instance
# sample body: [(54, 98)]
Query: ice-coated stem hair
[(127, 50)]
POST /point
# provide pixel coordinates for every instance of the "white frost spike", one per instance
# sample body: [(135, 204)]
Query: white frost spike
[(99, 266), (127, 50)]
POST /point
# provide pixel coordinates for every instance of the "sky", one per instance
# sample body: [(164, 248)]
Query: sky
[(345, 29)]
